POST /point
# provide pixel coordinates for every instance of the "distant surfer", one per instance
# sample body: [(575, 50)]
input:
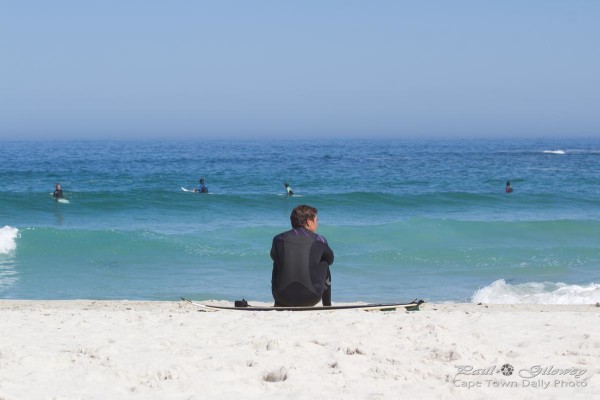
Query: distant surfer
[(288, 189), (202, 188), (509, 188), (58, 192), (301, 260)]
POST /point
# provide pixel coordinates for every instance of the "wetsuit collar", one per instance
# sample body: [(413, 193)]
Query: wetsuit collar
[(303, 232)]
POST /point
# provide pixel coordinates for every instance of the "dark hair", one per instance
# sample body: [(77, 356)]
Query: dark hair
[(301, 214), (507, 183)]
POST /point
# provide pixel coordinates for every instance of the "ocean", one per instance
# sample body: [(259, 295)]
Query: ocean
[(406, 219)]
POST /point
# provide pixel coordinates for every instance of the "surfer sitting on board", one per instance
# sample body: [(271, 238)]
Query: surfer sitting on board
[(301, 261), (508, 187), (202, 188), (288, 189), (58, 193)]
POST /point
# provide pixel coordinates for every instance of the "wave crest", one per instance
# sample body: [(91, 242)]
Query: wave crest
[(8, 237), (501, 292)]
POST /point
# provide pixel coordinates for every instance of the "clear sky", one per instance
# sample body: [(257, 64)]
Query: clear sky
[(143, 68)]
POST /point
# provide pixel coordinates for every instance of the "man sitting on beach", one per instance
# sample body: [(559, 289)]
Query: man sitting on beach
[(301, 261)]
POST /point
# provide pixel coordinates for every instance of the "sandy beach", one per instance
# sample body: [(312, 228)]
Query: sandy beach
[(169, 350)]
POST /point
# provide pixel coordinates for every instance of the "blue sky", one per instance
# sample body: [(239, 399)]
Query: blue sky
[(200, 69)]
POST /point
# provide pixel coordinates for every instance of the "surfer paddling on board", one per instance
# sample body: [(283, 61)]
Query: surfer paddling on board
[(202, 188), (509, 188), (58, 193), (301, 260), (288, 189)]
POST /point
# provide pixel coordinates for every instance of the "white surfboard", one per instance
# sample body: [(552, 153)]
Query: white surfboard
[(412, 306), (61, 200), (559, 152), (193, 191)]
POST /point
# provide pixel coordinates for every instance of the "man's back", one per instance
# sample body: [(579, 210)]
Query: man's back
[(301, 262)]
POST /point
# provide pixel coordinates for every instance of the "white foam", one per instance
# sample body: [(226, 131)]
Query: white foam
[(561, 152), (8, 239), (501, 292)]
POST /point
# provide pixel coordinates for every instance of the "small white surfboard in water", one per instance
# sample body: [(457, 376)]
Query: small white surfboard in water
[(61, 200), (288, 196), (559, 152), (192, 191)]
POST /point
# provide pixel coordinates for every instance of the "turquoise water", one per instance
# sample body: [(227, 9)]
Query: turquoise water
[(405, 219)]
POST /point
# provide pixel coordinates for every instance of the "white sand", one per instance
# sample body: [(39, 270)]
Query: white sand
[(162, 350)]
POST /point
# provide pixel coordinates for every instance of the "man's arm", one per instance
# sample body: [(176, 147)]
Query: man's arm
[(327, 254), (274, 248), (275, 259)]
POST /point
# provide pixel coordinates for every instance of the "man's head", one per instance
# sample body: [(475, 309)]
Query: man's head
[(304, 216)]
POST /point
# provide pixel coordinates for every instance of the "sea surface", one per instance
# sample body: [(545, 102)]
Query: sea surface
[(406, 218)]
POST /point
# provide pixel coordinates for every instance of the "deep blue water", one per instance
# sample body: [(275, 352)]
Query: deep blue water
[(405, 219)]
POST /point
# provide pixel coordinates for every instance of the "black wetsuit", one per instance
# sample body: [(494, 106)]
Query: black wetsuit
[(301, 276), (58, 194)]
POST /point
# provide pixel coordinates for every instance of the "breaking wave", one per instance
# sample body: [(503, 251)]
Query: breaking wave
[(8, 239), (501, 292)]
